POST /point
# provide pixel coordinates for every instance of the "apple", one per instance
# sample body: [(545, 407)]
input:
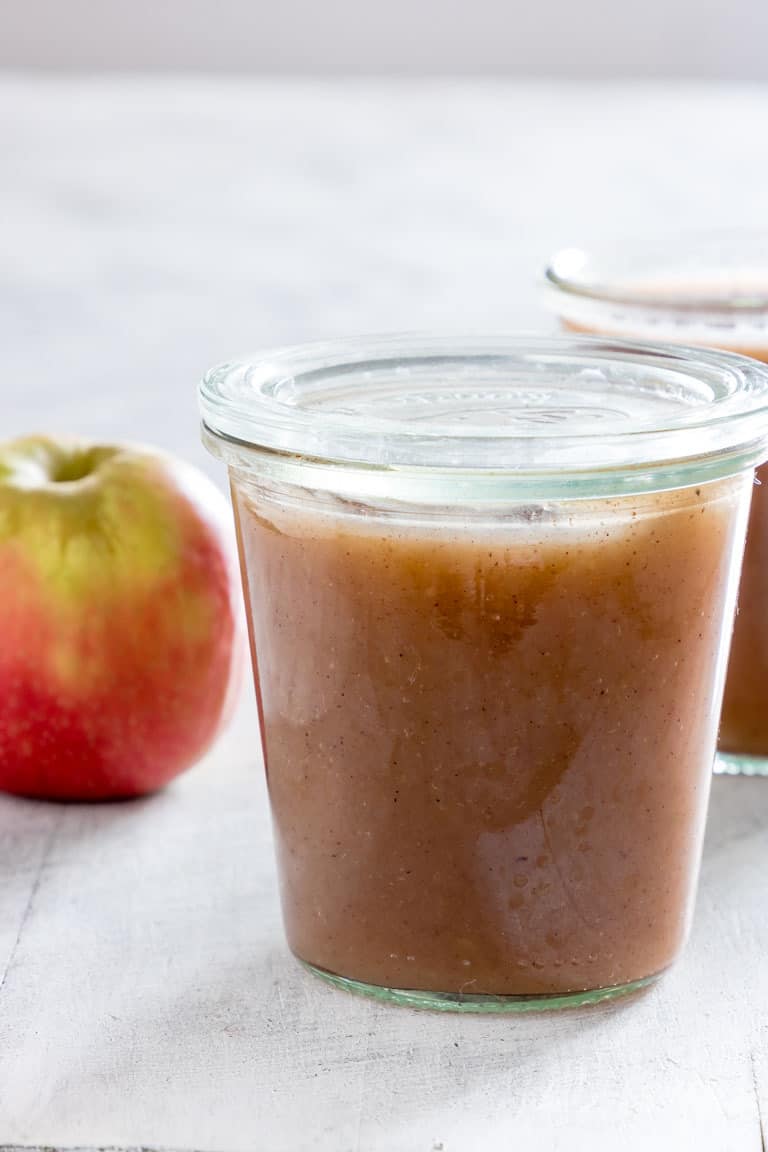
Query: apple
[(120, 638)]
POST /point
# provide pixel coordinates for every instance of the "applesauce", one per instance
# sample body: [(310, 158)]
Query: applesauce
[(709, 290), (488, 646)]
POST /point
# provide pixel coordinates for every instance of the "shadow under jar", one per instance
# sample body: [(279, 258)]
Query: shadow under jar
[(488, 584), (708, 289)]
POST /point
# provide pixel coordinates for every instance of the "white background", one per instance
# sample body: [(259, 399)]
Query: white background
[(151, 227), (582, 39), (148, 228)]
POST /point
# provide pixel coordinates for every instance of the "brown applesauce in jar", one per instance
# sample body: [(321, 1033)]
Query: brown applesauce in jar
[(714, 293), (488, 752), (744, 720), (489, 586)]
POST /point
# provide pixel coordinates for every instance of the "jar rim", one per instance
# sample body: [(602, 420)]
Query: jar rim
[(530, 409), (716, 272)]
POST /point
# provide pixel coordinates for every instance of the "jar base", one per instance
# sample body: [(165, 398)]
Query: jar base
[(736, 764), (462, 1002)]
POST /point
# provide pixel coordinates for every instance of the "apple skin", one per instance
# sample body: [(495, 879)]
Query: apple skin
[(120, 640)]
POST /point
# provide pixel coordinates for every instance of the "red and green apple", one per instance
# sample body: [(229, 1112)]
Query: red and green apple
[(120, 647)]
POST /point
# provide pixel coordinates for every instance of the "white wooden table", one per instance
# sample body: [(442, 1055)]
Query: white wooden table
[(148, 229)]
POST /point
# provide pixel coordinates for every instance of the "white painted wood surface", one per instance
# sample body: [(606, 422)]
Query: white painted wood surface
[(148, 229)]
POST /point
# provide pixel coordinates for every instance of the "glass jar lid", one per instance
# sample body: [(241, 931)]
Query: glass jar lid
[(706, 288), (524, 413)]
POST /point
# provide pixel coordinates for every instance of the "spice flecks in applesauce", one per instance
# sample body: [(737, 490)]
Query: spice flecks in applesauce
[(489, 748)]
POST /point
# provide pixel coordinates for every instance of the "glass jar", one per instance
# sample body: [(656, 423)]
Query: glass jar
[(707, 289), (488, 584)]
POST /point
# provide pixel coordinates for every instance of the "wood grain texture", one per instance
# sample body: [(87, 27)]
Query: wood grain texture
[(148, 229)]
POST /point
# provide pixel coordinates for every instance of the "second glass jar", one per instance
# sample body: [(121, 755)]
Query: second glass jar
[(709, 289)]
